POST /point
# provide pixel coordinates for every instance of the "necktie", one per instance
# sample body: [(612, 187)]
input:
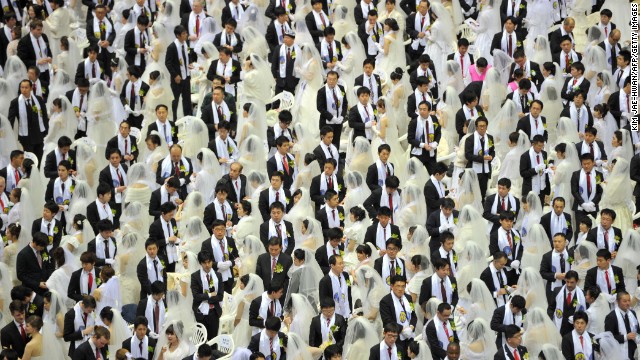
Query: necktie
[(510, 241), (391, 206), (579, 117), (104, 207), (614, 64), (581, 339), (39, 46), (176, 169), (279, 231), (288, 54), (566, 63), (387, 170), (273, 265), (155, 267), (98, 357), (503, 205), (538, 158), (515, 355), (49, 229), (23, 333), (627, 325), (443, 291), (237, 187), (606, 35), (17, 177), (509, 47), (426, 130), (562, 264), (39, 257), (90, 283), (222, 214), (271, 346), (513, 7), (333, 213), (330, 52), (389, 352), (523, 103), (126, 146), (273, 308), (483, 151), (35, 88), (185, 60), (471, 112), (323, 23), (220, 115), (499, 275), (277, 195), (133, 96), (285, 163), (156, 317), (282, 31), (335, 251), (421, 23), (424, 98), (569, 298), (446, 329), (120, 179), (30, 111), (2, 202), (102, 31), (384, 234), (366, 111), (575, 81), (336, 101), (392, 268), (84, 318), (93, 70), (222, 249), (141, 40), (140, 346), (619, 77), (106, 249), (462, 64), (606, 239), (197, 25), (330, 182), (588, 175), (228, 39), (591, 149), (283, 4), (371, 88), (606, 277), (328, 322)]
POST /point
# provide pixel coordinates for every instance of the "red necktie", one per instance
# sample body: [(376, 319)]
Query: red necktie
[(220, 115), (90, 284), (285, 164), (424, 98), (278, 196), (39, 258), (606, 277), (575, 81), (503, 205), (581, 339), (509, 240), (273, 264), (588, 184), (322, 19), (509, 48), (2, 202), (23, 333), (422, 23), (222, 248), (538, 159), (279, 231), (120, 180), (17, 176), (335, 252), (330, 182), (197, 25), (84, 318), (283, 4), (35, 87), (391, 206), (64, 156), (566, 63), (606, 35), (462, 64), (569, 298), (389, 352), (471, 112), (591, 149), (177, 170), (515, 355), (288, 54), (446, 330), (606, 239)]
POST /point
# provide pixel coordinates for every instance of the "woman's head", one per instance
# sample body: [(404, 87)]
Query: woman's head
[(106, 315), (107, 273), (78, 221), (58, 256), (13, 231), (391, 24), (64, 43), (34, 324), (358, 213), (173, 331)]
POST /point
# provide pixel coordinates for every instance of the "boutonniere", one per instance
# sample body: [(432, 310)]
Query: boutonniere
[(398, 270), (412, 306), (138, 46), (455, 221), (518, 43), (229, 149), (431, 136), (455, 258), (6, 210), (576, 88), (97, 34), (173, 131), (533, 73), (281, 343), (98, 281), (453, 287), (617, 238), (348, 281), (399, 355), (521, 6), (574, 303), (175, 230), (290, 7), (598, 179), (55, 230), (113, 211), (141, 92), (182, 168), (570, 260), (66, 202), (616, 279), (490, 143), (150, 349), (334, 328), (71, 188), (288, 235), (50, 239), (107, 354), (32, 308), (516, 238), (394, 236), (163, 264), (525, 356), (291, 163), (568, 223), (34, 108), (339, 187), (71, 162), (45, 257), (211, 283), (435, 126), (287, 200), (134, 148), (375, 112), (229, 249), (293, 52), (342, 253), (342, 93), (341, 216), (279, 268), (453, 326), (234, 68)]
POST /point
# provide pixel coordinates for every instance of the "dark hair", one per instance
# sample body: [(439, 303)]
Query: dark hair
[(607, 211), (167, 207), (298, 254), (358, 213), (246, 206), (363, 249), (439, 263), (511, 330), (603, 253), (572, 274), (204, 256), (602, 109), (103, 189), (51, 206), (88, 257), (140, 320), (518, 301), (333, 349), (104, 225), (272, 323), (204, 350), (396, 74), (158, 287)]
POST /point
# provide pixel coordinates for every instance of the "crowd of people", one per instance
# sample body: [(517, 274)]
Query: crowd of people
[(318, 179)]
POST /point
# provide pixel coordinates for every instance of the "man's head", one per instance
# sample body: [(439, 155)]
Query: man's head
[(566, 44), (398, 285), (175, 153), (274, 246), (282, 145), (443, 312), (333, 352), (441, 268), (603, 259), (424, 108), (499, 260), (453, 351), (390, 331), (277, 211), (391, 184), (337, 264), (624, 58), (276, 180), (517, 304), (167, 211), (580, 321), (571, 280), (393, 245), (624, 300), (36, 28), (101, 336), (363, 92), (25, 88), (158, 290), (205, 259), (568, 25), (446, 206), (326, 134), (607, 217), (506, 220), (219, 229), (384, 215), (180, 33), (329, 167), (50, 210), (151, 247), (590, 135), (140, 326), (204, 352), (513, 333), (559, 242), (481, 125), (587, 162), (510, 24), (17, 311), (275, 289), (558, 205)]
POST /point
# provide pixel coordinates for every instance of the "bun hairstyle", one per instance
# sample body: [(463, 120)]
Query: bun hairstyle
[(397, 74)]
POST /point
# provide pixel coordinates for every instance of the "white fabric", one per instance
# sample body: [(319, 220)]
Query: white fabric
[(633, 324), (556, 266), (23, 127), (577, 297), (340, 290), (610, 237), (207, 288), (587, 350), (477, 148), (583, 187), (220, 256), (386, 268), (148, 313)]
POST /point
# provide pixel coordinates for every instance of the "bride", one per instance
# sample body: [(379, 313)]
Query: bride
[(391, 55), (486, 26), (257, 80), (308, 68), (34, 348), (360, 338), (440, 38), (617, 195), (53, 324)]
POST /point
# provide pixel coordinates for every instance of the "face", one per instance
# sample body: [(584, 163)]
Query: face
[(218, 96), (152, 251), (206, 265), (569, 27), (392, 251), (37, 32), (25, 89), (446, 211), (566, 46), (172, 338), (219, 232), (515, 341), (47, 214), (183, 37), (162, 113), (571, 284), (288, 40), (141, 331), (276, 182), (29, 329), (580, 325), (398, 288), (197, 7), (462, 49), (2, 183), (558, 207), (339, 266), (507, 224), (328, 138), (328, 312), (424, 110), (87, 267), (332, 79), (423, 7), (536, 109), (448, 245), (625, 302), (284, 148), (481, 128), (602, 263), (606, 220), (390, 338), (500, 263), (276, 215), (176, 154), (588, 137), (333, 201), (328, 169), (445, 315), (587, 165), (383, 219), (509, 26), (453, 353), (18, 316), (274, 250)]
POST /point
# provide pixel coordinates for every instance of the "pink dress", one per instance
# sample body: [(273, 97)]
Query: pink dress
[(474, 74)]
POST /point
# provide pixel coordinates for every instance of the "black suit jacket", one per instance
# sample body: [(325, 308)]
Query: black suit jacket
[(199, 296), (316, 33), (517, 244), (521, 11), (388, 311), (85, 352), (290, 80), (547, 272), (370, 234), (356, 122), (254, 345), (272, 36), (80, 71), (433, 226), (143, 277), (566, 113), (113, 144), (554, 40), (568, 349), (317, 196), (235, 74), (545, 221), (584, 86), (533, 68), (272, 6), (288, 228), (35, 136), (130, 47), (437, 352), (236, 49), (315, 334), (497, 323), (611, 324), (91, 247), (57, 236), (325, 288), (263, 203), (500, 354), (51, 164), (105, 177), (323, 217), (186, 175), (377, 266), (359, 81), (232, 198), (592, 236), (27, 53), (496, 42), (151, 346), (372, 204), (461, 119), (528, 172), (614, 106), (426, 294), (171, 128), (575, 190), (374, 352), (231, 248), (73, 291), (473, 157), (495, 218), (91, 36), (209, 119), (372, 175), (29, 272), (172, 62), (156, 231), (591, 279), (11, 338), (524, 124), (323, 108), (272, 167), (416, 141), (323, 260), (359, 16), (125, 98), (263, 270)]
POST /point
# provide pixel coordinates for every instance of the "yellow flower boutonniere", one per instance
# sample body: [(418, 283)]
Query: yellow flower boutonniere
[(279, 268), (134, 148), (55, 230), (182, 168), (45, 257), (394, 236), (598, 179), (229, 149), (291, 163), (97, 34), (453, 287), (288, 235), (32, 308), (234, 68), (335, 328), (518, 43), (435, 126), (141, 92), (412, 306), (570, 260), (163, 264), (559, 313), (375, 112), (431, 136), (521, 6), (230, 249), (453, 325), (399, 355), (71, 188), (516, 238), (290, 7), (455, 221), (617, 238), (113, 211), (339, 187), (287, 200), (348, 281), (98, 281), (138, 46), (66, 202), (107, 354), (150, 349), (211, 283), (616, 279), (568, 223), (50, 239), (34, 108), (6, 210), (490, 143), (342, 253), (173, 131), (580, 356), (293, 53), (525, 356), (398, 270), (281, 344), (341, 216), (71, 162)]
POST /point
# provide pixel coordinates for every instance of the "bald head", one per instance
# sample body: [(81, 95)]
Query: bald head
[(568, 24)]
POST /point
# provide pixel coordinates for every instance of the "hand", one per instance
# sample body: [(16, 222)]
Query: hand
[(462, 311), (142, 50), (88, 330), (177, 79), (164, 349), (382, 252), (631, 336), (213, 294), (488, 157), (191, 67), (229, 224), (407, 332), (421, 35), (614, 254), (60, 207), (223, 160), (515, 264), (121, 189), (42, 285), (178, 201), (193, 38), (502, 291), (559, 276)]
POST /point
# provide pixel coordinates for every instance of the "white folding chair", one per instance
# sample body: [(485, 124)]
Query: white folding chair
[(199, 336), (286, 99), (137, 133), (467, 32), (225, 345)]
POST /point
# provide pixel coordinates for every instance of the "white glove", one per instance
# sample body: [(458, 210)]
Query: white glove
[(334, 120), (182, 181), (590, 207), (368, 124), (109, 261), (340, 119), (127, 108), (515, 264), (443, 228), (451, 227), (407, 332), (153, 335), (224, 265), (539, 167), (379, 47), (571, 319), (598, 162), (637, 146)]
